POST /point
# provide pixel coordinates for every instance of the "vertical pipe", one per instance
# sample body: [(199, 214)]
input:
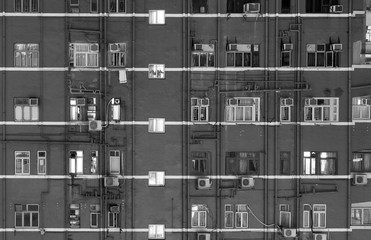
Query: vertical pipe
[(265, 94), (133, 118), (276, 116)]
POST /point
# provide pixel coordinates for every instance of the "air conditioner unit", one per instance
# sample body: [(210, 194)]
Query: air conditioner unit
[(80, 101), (74, 2), (33, 101), (312, 101), (95, 125), (232, 47), (94, 207), (114, 47), (320, 236), (204, 47), (203, 236), (204, 102), (232, 102), (289, 232), (336, 8), (111, 181), (311, 47), (239, 47), (287, 101), (366, 101), (202, 9), (75, 9), (94, 47), (359, 179), (116, 101), (337, 47), (251, 7), (288, 47), (204, 183), (247, 182), (115, 209)]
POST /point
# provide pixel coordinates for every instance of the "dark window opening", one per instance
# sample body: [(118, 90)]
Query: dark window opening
[(200, 163), (285, 6), (199, 6), (236, 6), (242, 163), (285, 163), (286, 58), (320, 6)]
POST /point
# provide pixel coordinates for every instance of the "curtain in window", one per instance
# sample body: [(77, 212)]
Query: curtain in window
[(366, 216)]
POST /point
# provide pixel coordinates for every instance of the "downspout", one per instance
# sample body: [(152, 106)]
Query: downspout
[(277, 117), (218, 140), (189, 85), (133, 117), (3, 85), (266, 77)]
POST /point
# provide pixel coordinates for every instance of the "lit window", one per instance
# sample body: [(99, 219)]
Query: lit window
[(156, 71), (116, 6), (203, 55), (41, 162), (156, 231), (156, 178), (26, 55), (361, 162), (323, 55), (241, 216), (84, 54), (285, 109), (156, 16), (200, 109), (200, 162), (76, 162), (243, 109), (199, 215), (114, 162), (117, 55), (156, 125), (319, 163), (306, 215), (26, 5), (243, 55), (228, 216), (94, 162), (285, 216), (93, 6), (26, 109), (242, 163), (361, 216), (26, 215), (77, 109), (321, 110), (319, 215), (22, 162), (361, 107)]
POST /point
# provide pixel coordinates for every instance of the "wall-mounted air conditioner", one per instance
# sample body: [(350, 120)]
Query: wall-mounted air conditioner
[(204, 47), (202, 9), (33, 101), (311, 47), (336, 8), (232, 102), (239, 47), (288, 47), (94, 207), (251, 8), (287, 102), (204, 102), (95, 125), (204, 183), (111, 181), (366, 101), (289, 232), (337, 47), (310, 101), (94, 47), (115, 209), (203, 236), (360, 179), (247, 182), (114, 47), (320, 236)]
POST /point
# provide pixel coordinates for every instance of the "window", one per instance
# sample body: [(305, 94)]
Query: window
[(319, 163), (156, 178), (26, 5), (242, 163), (228, 216), (156, 16), (199, 6), (200, 163), (361, 162), (26, 215), (243, 109), (156, 231), (361, 107), (113, 219), (93, 6), (199, 215), (156, 125), (114, 162), (321, 109), (285, 109), (41, 162), (243, 55), (74, 215), (26, 55), (94, 162), (322, 55), (156, 71), (76, 162), (199, 109), (306, 216), (361, 216), (241, 216), (286, 58), (26, 109), (203, 55), (285, 216), (285, 6), (237, 6), (116, 6), (319, 215), (22, 162), (84, 54), (320, 6), (94, 219), (285, 163), (117, 55), (77, 109)]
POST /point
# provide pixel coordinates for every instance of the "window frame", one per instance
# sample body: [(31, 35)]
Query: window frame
[(289, 58), (156, 178), (117, 58), (39, 159), (156, 71), (306, 215), (115, 157), (246, 51), (156, 17), (311, 109), (242, 216), (31, 5), (228, 211), (199, 111), (284, 159), (79, 160), (231, 110), (24, 107), (200, 160), (26, 57), (77, 110), (85, 55), (319, 223), (96, 216), (362, 102), (360, 157), (115, 217), (284, 210), (22, 160), (251, 159), (362, 216), (117, 3), (312, 162), (196, 214), (26, 211), (329, 58), (156, 231)]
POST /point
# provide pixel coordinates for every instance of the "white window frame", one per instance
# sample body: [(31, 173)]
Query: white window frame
[(156, 71), (306, 216), (114, 222), (24, 160), (199, 112), (117, 58), (156, 17), (96, 216), (30, 5), (228, 214), (26, 212), (114, 156), (117, 3), (41, 162), (311, 109), (156, 178), (82, 56), (315, 162), (283, 106), (156, 125), (76, 165), (231, 110), (77, 111), (208, 54), (24, 111), (317, 215), (199, 216), (285, 211), (26, 54), (156, 231), (242, 216), (362, 209), (317, 51), (363, 104)]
